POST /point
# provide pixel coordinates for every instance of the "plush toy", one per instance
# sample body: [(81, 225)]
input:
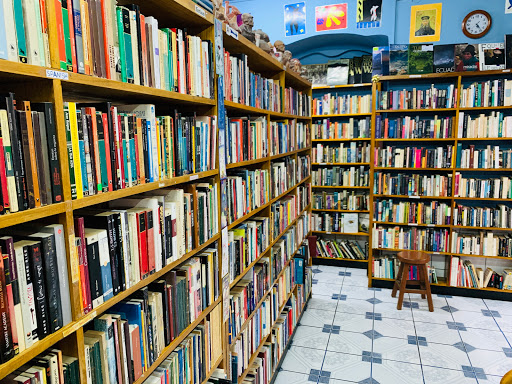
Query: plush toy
[(246, 27)]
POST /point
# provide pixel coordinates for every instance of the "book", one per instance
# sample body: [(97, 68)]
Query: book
[(380, 61), (444, 58), (492, 56), (366, 69), (316, 74), (421, 58), (398, 59), (467, 57), (508, 51), (337, 72)]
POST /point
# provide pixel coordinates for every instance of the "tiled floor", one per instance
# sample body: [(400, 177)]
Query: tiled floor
[(352, 334)]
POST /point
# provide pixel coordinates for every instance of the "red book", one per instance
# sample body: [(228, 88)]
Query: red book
[(137, 362), (107, 151), (143, 246), (118, 148), (72, 34), (150, 236), (83, 264), (60, 34), (144, 48)]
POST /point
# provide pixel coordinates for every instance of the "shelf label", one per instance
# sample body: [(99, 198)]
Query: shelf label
[(430, 225), (413, 224), (506, 70), (161, 185), (358, 85), (194, 177), (414, 76), (59, 75), (327, 233), (231, 32), (200, 11), (414, 197)]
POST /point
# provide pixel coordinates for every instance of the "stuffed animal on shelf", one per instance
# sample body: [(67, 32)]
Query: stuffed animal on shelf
[(219, 10)]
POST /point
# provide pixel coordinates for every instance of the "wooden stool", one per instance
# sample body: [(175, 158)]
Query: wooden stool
[(407, 259)]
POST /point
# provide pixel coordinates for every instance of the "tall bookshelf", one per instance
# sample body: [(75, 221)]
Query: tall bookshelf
[(333, 134), (442, 259), (37, 84), (268, 67)]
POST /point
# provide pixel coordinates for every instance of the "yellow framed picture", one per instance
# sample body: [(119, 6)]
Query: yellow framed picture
[(425, 23)]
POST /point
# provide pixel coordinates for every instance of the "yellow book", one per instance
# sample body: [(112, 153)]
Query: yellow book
[(169, 157), (76, 150)]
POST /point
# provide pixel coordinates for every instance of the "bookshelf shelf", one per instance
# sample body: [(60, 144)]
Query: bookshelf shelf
[(342, 233), (247, 162), (442, 283), (33, 214), (481, 228), (412, 169), (344, 164), (108, 196), (483, 169), (338, 210), (480, 198), (343, 86), (245, 109), (422, 110), (214, 367), (485, 139), (339, 140), (419, 140), (342, 115), (500, 107), (412, 224), (413, 197), (296, 81), (291, 153), (402, 250)]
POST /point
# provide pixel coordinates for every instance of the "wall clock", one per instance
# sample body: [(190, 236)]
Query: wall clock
[(476, 24)]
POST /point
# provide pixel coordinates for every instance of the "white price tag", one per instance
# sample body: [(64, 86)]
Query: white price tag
[(231, 32), (327, 233), (194, 177), (161, 185), (413, 224), (59, 75), (414, 197), (414, 76), (506, 70), (200, 11)]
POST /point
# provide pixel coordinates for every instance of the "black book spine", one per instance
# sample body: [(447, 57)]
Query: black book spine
[(53, 151), (52, 282), (42, 175), (112, 245), (17, 154), (22, 120), (93, 262), (38, 281)]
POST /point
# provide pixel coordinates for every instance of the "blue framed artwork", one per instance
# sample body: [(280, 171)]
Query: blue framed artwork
[(295, 19)]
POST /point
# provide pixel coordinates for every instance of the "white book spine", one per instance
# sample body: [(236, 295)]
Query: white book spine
[(27, 300), (29, 18), (135, 47), (10, 31), (40, 36)]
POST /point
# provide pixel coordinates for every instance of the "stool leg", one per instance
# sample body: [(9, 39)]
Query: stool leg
[(422, 277), (427, 286), (399, 276), (403, 284)]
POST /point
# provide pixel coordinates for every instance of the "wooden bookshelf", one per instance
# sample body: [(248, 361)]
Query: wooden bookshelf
[(35, 83)]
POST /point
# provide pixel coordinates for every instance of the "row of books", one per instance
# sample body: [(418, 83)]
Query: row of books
[(245, 296), (350, 153), (355, 128), (243, 86), (499, 216), (125, 341), (343, 200), (247, 138), (413, 157), (303, 135), (412, 127), (338, 104), (35, 295), (286, 246), (340, 222), (402, 59), (386, 267), (463, 273), (342, 249), (303, 167), (412, 185), (432, 97), (495, 125), (490, 157), (194, 358), (488, 188), (246, 243), (408, 212), (418, 239), (283, 136), (283, 175), (303, 196), (112, 148), (30, 174), (296, 103), (247, 190), (488, 93), (282, 213), (338, 176), (483, 243), (52, 366), (139, 236)]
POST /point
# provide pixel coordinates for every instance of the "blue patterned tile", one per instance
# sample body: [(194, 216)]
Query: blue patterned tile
[(335, 331), (313, 378), (369, 381), (367, 359), (445, 296), (335, 296), (367, 353), (314, 372), (377, 316), (374, 301), (372, 334), (474, 372), (369, 315), (336, 327), (316, 270), (411, 339), (411, 304), (342, 297), (324, 380), (375, 289), (325, 373), (315, 281), (449, 309), (507, 352)]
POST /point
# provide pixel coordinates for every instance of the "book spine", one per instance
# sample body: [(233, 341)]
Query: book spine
[(78, 36), (52, 277), (76, 149), (29, 154), (6, 339), (71, 161), (20, 31), (10, 30), (86, 35), (38, 281), (3, 180), (53, 152), (72, 41)]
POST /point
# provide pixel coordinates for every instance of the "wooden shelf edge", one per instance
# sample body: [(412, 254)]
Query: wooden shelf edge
[(358, 85), (342, 233), (341, 258), (339, 186), (32, 214), (247, 162), (260, 111), (342, 115)]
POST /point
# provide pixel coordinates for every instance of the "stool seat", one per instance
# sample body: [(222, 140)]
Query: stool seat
[(407, 260), (413, 257)]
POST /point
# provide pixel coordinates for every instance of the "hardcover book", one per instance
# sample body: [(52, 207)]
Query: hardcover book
[(380, 63), (337, 72), (316, 74), (444, 58), (398, 59), (492, 56), (421, 58), (366, 69), (467, 57), (508, 51)]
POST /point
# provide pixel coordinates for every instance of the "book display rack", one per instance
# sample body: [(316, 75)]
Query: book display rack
[(159, 194)]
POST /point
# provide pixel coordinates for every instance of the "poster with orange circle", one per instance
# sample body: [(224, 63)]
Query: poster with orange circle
[(331, 17)]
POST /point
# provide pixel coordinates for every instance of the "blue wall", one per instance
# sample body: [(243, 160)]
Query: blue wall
[(269, 15)]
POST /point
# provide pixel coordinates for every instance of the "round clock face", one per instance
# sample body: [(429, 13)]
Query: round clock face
[(477, 24)]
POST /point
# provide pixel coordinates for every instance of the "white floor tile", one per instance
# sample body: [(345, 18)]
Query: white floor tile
[(503, 307), (346, 367), (357, 271), (359, 293), (352, 322), (468, 304), (394, 328), (323, 302), (287, 377), (355, 306), (310, 337), (492, 362), (326, 289), (485, 339), (490, 379), (385, 296), (302, 360), (396, 349), (395, 372), (330, 277), (438, 302), (315, 317), (475, 320), (505, 323), (349, 342), (389, 310), (355, 281), (439, 316), (443, 356), (434, 375), (437, 333)]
